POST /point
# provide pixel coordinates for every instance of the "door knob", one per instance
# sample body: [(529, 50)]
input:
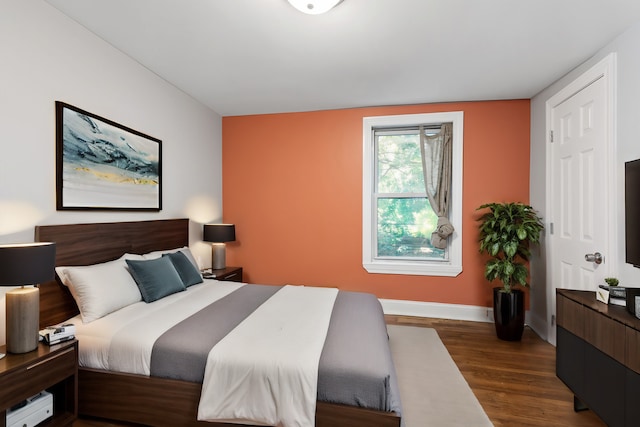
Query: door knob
[(596, 257)]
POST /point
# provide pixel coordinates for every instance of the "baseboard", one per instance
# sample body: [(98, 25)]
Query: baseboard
[(440, 310), (437, 310), (539, 325)]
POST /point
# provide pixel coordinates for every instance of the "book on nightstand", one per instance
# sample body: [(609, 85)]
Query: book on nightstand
[(58, 333)]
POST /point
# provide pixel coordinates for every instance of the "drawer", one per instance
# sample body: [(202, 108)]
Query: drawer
[(232, 277), (570, 361), (606, 334), (29, 379), (230, 274), (570, 315), (633, 350)]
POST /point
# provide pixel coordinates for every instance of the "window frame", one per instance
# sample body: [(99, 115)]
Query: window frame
[(451, 267)]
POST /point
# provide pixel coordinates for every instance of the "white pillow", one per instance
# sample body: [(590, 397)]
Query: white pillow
[(61, 270), (185, 250), (101, 289)]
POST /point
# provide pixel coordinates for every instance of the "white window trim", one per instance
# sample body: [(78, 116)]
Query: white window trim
[(453, 266)]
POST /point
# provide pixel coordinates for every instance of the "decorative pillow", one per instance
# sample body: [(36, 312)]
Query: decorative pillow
[(100, 289), (185, 250), (187, 272), (156, 278)]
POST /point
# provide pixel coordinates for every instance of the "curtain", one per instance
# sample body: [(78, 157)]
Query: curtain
[(436, 153)]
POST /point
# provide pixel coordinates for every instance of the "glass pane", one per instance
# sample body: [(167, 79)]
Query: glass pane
[(405, 227), (399, 164)]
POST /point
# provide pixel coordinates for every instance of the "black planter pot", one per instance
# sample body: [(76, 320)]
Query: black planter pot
[(508, 314)]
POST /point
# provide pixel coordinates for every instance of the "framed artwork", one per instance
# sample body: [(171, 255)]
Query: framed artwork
[(103, 165)]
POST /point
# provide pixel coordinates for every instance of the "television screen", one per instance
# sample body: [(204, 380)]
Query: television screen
[(632, 211)]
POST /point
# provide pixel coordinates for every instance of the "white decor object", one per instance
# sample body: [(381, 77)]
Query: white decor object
[(314, 7)]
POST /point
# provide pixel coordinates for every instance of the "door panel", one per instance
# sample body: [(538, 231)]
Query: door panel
[(579, 173)]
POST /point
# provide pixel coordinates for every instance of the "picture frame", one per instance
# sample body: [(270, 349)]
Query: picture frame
[(103, 165)]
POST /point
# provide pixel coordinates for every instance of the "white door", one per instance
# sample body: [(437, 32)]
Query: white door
[(580, 189)]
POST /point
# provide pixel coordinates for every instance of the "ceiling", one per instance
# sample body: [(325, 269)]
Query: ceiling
[(242, 57)]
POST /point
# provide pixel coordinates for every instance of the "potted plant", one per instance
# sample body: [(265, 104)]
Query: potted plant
[(506, 232), (611, 281)]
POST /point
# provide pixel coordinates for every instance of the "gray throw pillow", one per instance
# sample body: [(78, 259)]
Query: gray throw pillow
[(188, 272), (156, 278)]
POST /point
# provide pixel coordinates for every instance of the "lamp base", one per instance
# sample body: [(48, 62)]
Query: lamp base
[(218, 256), (23, 319)]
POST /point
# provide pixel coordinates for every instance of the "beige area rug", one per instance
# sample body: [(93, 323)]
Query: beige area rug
[(432, 389)]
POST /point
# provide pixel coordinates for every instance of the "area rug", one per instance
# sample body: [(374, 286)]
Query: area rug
[(432, 389)]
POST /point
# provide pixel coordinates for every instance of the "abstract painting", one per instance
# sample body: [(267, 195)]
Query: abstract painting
[(103, 165)]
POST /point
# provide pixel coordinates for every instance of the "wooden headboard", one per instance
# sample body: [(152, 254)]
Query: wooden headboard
[(86, 244)]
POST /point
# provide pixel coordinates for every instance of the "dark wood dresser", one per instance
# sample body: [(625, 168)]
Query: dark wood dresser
[(598, 356)]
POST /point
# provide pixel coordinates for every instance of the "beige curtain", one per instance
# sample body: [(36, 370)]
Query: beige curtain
[(436, 165)]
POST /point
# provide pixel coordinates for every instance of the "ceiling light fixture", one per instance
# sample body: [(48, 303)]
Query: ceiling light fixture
[(314, 7)]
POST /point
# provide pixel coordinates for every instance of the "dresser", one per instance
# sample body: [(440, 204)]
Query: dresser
[(598, 356)]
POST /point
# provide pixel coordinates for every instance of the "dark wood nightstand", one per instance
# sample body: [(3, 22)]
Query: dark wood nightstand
[(231, 274), (52, 368)]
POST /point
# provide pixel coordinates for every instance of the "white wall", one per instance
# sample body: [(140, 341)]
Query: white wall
[(44, 57), (627, 47)]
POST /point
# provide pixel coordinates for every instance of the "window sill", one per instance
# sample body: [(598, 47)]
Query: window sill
[(414, 269)]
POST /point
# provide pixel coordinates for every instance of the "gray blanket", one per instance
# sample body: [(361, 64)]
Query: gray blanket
[(355, 367)]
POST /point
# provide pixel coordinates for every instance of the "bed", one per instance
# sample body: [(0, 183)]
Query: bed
[(144, 399)]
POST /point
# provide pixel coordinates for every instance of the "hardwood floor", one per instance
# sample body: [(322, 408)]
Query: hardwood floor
[(515, 382)]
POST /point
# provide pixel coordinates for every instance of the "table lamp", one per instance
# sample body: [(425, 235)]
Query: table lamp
[(218, 234), (20, 265)]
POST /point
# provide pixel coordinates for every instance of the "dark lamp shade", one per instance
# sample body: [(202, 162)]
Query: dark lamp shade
[(219, 233), (27, 263)]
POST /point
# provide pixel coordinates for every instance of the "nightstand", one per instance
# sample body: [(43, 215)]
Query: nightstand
[(231, 274), (52, 368)]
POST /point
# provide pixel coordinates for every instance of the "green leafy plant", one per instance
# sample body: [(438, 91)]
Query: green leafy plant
[(611, 281), (506, 232)]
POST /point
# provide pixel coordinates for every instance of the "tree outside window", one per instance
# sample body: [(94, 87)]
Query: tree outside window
[(405, 219)]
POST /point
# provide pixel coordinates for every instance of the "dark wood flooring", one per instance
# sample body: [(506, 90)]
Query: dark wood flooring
[(515, 382)]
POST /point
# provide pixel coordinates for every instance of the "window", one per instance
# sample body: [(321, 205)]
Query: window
[(404, 217), (397, 217)]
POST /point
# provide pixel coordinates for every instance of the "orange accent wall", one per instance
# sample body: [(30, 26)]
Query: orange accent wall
[(292, 185)]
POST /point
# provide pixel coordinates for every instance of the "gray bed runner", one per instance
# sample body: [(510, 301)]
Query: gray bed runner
[(355, 367), (181, 352)]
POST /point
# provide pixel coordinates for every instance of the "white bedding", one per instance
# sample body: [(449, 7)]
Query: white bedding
[(279, 387), (122, 341), (283, 391)]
